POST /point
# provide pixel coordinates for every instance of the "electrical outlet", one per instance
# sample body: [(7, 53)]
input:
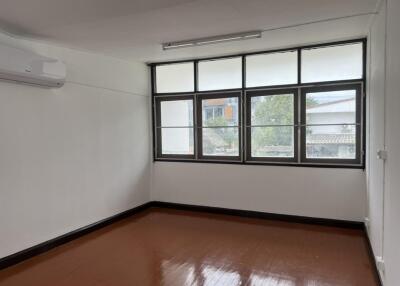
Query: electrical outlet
[(366, 222), (380, 264)]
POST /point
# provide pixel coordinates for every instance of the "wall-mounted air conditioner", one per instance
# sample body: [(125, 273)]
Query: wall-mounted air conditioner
[(29, 68)]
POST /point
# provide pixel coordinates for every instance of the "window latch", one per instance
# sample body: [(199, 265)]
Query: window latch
[(382, 154)]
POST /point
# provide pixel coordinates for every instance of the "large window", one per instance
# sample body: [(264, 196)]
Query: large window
[(219, 126), (331, 122), (174, 124), (298, 106), (272, 125)]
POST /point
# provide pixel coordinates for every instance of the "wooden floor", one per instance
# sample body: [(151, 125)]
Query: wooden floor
[(168, 247)]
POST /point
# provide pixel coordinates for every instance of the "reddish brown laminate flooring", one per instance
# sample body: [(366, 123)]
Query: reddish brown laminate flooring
[(168, 247)]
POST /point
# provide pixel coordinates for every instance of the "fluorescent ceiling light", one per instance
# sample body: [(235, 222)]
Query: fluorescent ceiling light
[(212, 40)]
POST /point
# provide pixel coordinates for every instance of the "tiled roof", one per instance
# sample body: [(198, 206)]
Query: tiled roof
[(331, 139)]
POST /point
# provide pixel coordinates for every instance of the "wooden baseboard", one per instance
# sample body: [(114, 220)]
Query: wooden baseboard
[(372, 257), (50, 244), (262, 215)]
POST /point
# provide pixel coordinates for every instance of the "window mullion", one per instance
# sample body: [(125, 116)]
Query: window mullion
[(242, 114), (195, 121), (299, 128)]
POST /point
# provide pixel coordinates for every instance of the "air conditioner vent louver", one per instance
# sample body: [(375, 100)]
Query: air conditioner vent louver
[(26, 67)]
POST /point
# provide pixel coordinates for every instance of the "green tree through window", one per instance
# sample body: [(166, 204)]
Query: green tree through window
[(271, 138), (220, 139)]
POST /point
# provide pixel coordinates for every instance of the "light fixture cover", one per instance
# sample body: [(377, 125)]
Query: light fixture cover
[(212, 40)]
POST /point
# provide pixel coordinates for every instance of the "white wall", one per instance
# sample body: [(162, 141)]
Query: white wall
[(391, 252), (315, 192), (375, 107), (383, 177), (71, 156)]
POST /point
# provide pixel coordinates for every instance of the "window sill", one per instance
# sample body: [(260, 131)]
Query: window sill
[(283, 164)]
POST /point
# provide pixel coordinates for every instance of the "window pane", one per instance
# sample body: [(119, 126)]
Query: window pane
[(332, 63), (272, 110), (221, 141), (177, 141), (177, 113), (221, 111), (220, 74), (175, 77), (271, 69), (333, 107), (272, 141), (331, 142)]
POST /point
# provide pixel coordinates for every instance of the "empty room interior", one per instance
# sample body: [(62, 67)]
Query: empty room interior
[(199, 143)]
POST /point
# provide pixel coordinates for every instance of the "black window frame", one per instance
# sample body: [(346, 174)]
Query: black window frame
[(158, 127), (298, 72), (364, 58), (249, 126), (154, 79), (358, 163), (216, 95), (197, 74), (358, 122)]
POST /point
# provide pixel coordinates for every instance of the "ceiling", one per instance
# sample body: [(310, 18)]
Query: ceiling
[(135, 29)]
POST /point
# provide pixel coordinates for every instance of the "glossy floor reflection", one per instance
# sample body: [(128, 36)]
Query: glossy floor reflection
[(168, 247)]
